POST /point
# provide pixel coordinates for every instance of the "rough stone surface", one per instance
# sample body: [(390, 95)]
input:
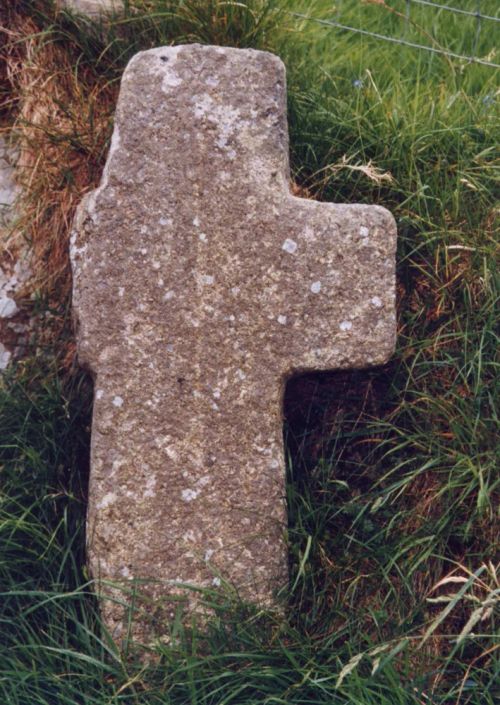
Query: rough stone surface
[(14, 266), (92, 8), (200, 286), (8, 187)]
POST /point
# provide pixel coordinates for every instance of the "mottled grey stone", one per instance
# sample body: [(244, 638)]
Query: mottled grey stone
[(93, 8), (14, 258), (9, 190), (200, 286)]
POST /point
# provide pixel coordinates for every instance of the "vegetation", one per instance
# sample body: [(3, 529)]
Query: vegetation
[(393, 482)]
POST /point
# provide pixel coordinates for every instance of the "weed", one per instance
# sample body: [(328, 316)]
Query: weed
[(393, 481)]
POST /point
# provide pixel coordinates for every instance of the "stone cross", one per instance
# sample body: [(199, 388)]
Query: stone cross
[(201, 284)]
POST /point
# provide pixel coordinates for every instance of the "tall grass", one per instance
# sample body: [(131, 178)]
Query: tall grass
[(392, 481)]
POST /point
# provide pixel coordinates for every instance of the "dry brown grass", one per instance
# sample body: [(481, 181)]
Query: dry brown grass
[(59, 116)]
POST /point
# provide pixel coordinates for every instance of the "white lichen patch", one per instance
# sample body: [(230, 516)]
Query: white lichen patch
[(345, 325), (117, 401), (164, 66), (170, 80), (316, 287), (364, 231), (168, 295), (289, 246), (207, 279), (376, 302), (228, 122), (172, 453), (99, 394), (109, 498), (226, 118), (116, 466), (196, 222), (121, 291), (150, 485), (192, 321), (165, 221), (188, 495), (208, 554), (74, 250), (202, 106), (191, 493), (203, 237), (282, 319)]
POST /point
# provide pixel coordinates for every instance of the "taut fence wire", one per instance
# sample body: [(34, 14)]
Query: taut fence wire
[(477, 13), (406, 17)]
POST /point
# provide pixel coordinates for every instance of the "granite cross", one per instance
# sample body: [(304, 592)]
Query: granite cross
[(201, 284)]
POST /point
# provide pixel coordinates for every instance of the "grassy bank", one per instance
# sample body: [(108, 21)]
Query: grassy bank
[(393, 481)]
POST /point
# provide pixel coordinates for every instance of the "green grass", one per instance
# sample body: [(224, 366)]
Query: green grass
[(393, 480)]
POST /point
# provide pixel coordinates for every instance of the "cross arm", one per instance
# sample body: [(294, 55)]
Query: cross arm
[(338, 305)]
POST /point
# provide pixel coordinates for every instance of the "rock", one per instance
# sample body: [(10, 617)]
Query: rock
[(14, 269), (5, 357), (9, 190), (8, 307), (93, 8), (201, 285)]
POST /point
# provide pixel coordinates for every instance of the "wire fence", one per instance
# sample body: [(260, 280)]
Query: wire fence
[(477, 23)]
